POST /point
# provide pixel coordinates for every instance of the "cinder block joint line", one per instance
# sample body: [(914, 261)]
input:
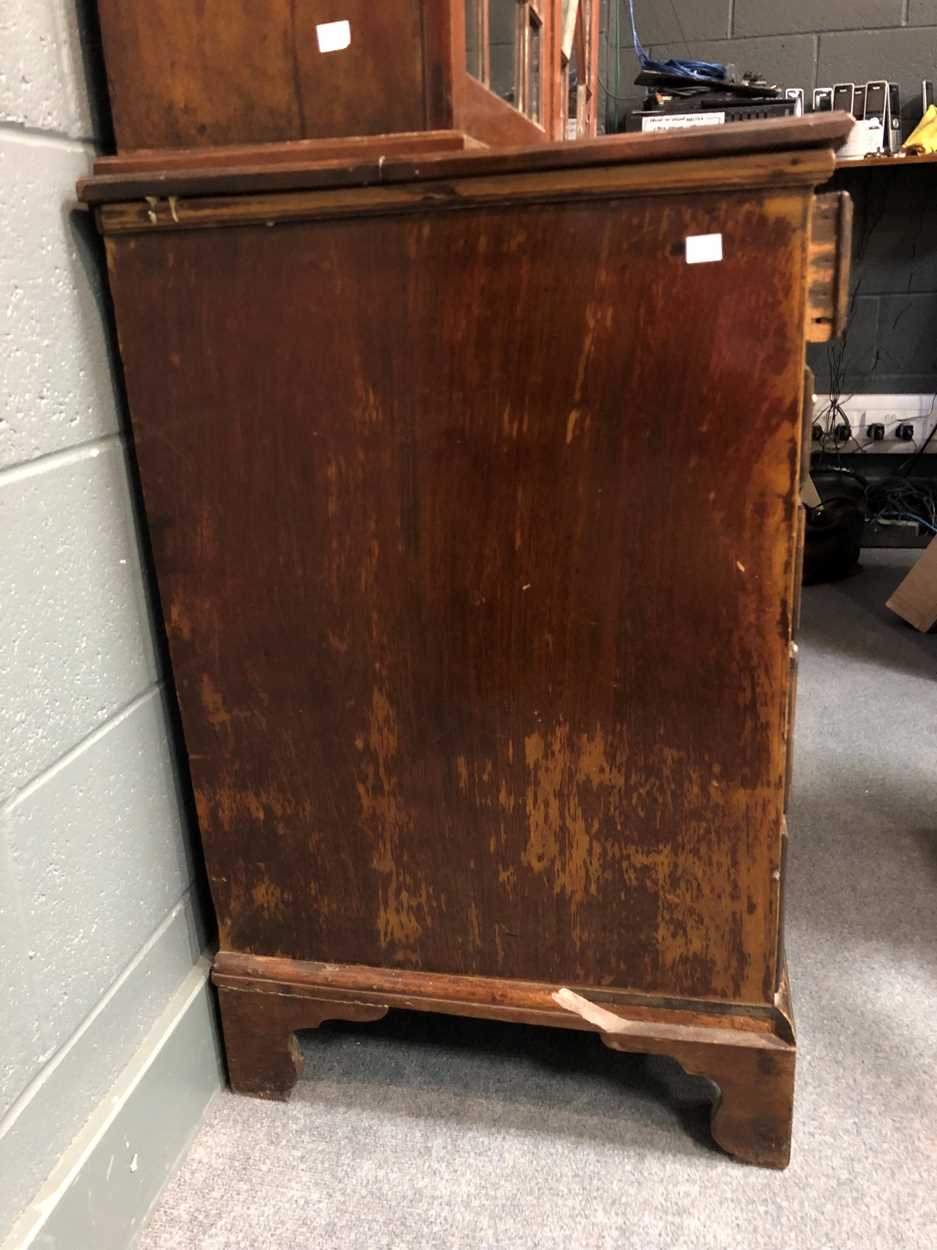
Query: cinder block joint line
[(61, 458), (24, 1099), (36, 135), (63, 761)]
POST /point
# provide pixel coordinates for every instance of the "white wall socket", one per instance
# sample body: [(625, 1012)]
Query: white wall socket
[(863, 411)]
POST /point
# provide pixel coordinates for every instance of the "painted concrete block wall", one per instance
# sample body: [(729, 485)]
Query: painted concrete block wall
[(891, 344), (99, 920)]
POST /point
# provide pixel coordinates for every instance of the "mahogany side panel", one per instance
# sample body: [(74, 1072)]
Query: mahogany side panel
[(481, 640), (191, 75)]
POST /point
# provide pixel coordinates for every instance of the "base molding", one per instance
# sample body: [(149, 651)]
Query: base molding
[(103, 1186), (747, 1052)]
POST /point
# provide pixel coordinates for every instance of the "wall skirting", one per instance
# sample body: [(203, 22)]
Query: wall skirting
[(106, 1181)]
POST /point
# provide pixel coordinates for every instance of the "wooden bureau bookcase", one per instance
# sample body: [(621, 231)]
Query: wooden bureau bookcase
[(474, 506), (264, 79)]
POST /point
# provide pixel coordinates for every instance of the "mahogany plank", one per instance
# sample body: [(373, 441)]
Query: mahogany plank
[(174, 212), (436, 683), (830, 250), (807, 139), (493, 120), (298, 152), (400, 987), (191, 75)]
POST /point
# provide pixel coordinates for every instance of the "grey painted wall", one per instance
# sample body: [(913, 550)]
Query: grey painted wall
[(99, 925), (891, 344)]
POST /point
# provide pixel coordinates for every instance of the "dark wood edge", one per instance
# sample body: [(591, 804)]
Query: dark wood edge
[(710, 143), (843, 264), (761, 1025), (492, 120), (292, 153), (829, 250), (853, 164), (800, 168), (783, 1004), (443, 61)]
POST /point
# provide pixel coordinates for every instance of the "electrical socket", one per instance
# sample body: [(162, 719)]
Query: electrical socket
[(876, 419)]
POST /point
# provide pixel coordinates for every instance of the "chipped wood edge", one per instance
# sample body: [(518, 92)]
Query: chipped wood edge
[(761, 1025)]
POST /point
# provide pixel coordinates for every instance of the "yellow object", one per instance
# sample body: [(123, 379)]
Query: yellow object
[(923, 139)]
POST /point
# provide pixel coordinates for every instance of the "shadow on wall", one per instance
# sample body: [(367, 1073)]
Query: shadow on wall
[(92, 57), (89, 248)]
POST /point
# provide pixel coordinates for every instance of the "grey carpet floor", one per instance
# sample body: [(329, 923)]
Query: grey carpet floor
[(423, 1131)]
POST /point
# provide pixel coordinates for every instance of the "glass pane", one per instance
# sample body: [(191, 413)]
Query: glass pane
[(473, 47), (570, 9), (502, 42), (572, 102), (533, 70)]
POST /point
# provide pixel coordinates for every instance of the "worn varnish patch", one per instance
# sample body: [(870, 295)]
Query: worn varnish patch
[(481, 638)]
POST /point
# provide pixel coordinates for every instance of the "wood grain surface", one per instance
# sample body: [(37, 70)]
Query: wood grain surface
[(335, 199), (474, 534), (807, 141), (498, 998), (751, 1067), (347, 148), (189, 75), (828, 282)]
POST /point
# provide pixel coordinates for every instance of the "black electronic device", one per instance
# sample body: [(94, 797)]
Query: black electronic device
[(893, 128), (822, 99), (678, 114), (843, 93), (927, 95), (858, 102), (893, 136), (876, 102)]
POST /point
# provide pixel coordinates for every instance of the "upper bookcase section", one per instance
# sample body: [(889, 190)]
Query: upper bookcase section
[(198, 74)]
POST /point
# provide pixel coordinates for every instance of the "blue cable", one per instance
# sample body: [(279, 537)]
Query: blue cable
[(639, 51), (691, 70), (908, 516)]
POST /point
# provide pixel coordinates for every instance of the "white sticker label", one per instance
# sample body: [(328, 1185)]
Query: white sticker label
[(703, 248), (333, 36), (682, 121)]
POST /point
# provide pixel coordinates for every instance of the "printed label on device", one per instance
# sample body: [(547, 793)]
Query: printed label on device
[(701, 249), (333, 36), (679, 121)]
